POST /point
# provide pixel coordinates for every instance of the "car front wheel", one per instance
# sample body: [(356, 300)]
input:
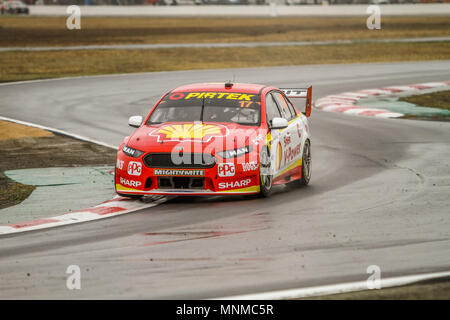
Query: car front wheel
[(265, 172)]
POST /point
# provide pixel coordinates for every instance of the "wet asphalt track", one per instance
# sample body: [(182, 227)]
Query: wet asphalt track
[(379, 195)]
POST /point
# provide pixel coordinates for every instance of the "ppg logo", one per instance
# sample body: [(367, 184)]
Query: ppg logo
[(134, 168), (226, 169)]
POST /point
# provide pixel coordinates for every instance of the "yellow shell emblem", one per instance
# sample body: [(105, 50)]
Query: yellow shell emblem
[(189, 131)]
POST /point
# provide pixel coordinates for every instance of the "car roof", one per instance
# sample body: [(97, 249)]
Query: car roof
[(237, 87)]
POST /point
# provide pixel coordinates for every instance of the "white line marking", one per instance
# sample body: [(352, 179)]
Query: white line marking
[(337, 106), (342, 97), (357, 110), (77, 216), (322, 102), (403, 88), (389, 115), (355, 94), (375, 91), (434, 84), (335, 288)]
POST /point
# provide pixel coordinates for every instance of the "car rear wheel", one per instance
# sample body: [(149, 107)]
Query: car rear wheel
[(306, 166), (265, 172)]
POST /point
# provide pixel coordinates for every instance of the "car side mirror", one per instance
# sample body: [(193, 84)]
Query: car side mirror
[(135, 121), (279, 123)]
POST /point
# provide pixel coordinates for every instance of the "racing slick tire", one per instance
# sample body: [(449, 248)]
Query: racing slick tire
[(306, 166), (265, 178)]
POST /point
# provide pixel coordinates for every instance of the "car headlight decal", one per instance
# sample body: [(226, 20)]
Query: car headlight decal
[(234, 153), (131, 152)]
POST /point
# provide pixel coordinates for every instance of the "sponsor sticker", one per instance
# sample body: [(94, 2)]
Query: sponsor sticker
[(226, 169), (234, 153), (127, 150), (134, 168), (250, 166), (287, 140), (291, 153), (130, 183), (299, 130), (119, 164), (179, 173), (295, 93), (211, 95), (234, 184)]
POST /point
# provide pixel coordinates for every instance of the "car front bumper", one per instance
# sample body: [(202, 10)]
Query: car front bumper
[(231, 177)]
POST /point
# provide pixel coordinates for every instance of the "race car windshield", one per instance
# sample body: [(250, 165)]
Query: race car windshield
[(241, 108)]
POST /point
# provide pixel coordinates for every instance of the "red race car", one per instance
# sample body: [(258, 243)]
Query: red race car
[(217, 139)]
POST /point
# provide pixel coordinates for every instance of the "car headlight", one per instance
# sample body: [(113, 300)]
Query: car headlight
[(234, 153), (132, 152)]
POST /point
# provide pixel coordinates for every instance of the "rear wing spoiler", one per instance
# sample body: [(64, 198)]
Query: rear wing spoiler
[(300, 93)]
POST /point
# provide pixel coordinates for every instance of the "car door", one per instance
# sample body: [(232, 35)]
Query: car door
[(273, 111), (291, 137)]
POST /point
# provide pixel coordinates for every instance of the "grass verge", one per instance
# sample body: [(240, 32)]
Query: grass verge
[(27, 147), (439, 100), (52, 31), (12, 193), (18, 66)]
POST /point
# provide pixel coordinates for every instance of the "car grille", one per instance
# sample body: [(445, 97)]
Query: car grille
[(180, 183), (190, 161)]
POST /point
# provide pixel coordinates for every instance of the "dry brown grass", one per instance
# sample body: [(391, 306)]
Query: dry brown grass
[(10, 130), (51, 31), (36, 65)]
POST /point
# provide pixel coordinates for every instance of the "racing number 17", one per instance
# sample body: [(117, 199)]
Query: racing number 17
[(245, 104)]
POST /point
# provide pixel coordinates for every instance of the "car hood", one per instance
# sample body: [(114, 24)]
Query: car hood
[(194, 137)]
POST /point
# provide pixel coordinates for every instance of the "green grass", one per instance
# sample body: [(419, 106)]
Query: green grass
[(439, 100)]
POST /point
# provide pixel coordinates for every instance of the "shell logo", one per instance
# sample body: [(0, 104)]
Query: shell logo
[(190, 131)]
